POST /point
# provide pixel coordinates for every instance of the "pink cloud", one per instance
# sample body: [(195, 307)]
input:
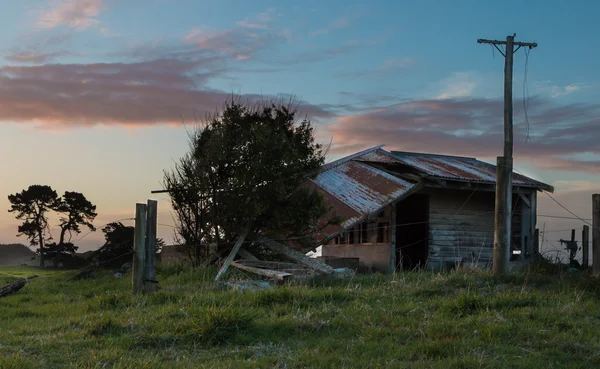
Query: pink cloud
[(33, 56), (151, 92), (76, 14), (474, 127)]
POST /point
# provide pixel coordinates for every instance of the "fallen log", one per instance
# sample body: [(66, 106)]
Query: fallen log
[(15, 286), (274, 274), (293, 254)]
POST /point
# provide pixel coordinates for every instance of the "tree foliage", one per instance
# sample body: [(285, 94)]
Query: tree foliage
[(32, 206), (248, 165)]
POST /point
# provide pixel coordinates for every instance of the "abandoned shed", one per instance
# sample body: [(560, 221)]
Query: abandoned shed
[(405, 210)]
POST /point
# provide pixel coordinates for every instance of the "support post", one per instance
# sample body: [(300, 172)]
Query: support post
[(585, 246), (536, 242), (139, 249), (502, 231), (393, 256), (596, 234), (151, 220), (502, 219)]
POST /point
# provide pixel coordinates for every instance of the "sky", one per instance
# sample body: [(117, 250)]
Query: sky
[(96, 95)]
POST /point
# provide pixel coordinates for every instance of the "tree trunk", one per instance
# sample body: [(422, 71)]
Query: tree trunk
[(41, 240), (59, 248)]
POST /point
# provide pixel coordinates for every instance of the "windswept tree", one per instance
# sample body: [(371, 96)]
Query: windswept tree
[(246, 169), (75, 211), (118, 248), (32, 206)]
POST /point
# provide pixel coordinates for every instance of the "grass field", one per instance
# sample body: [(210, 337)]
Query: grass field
[(465, 319)]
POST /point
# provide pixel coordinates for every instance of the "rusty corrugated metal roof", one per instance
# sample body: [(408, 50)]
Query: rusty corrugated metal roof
[(355, 189), (461, 168), (361, 188)]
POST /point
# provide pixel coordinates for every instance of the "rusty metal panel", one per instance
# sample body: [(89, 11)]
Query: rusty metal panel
[(460, 168), (361, 187), (377, 156)]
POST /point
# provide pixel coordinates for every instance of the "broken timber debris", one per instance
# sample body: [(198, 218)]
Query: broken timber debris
[(294, 255), (234, 251), (274, 274), (304, 265), (14, 287)]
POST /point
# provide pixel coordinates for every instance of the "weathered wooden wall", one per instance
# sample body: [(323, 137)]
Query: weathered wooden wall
[(460, 230), (467, 235)]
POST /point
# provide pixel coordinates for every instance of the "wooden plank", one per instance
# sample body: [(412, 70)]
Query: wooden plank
[(463, 243), (294, 255), (274, 274), (470, 248), (151, 223), (459, 232), (271, 264), (139, 249), (234, 251), (585, 244), (393, 239)]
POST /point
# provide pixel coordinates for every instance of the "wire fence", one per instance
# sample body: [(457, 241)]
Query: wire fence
[(546, 244)]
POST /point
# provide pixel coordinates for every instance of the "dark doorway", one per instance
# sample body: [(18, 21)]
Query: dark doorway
[(412, 231)]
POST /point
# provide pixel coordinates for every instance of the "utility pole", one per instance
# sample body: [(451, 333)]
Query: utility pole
[(504, 167)]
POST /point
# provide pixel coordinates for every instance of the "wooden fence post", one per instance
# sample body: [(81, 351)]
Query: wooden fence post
[(139, 249), (596, 234), (151, 220), (585, 246)]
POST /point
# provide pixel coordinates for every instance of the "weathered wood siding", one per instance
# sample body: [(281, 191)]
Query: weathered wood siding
[(460, 230)]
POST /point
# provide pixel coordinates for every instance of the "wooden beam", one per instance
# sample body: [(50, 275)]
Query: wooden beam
[(293, 254), (271, 264), (234, 251), (596, 234), (274, 274), (139, 249), (585, 246), (151, 223), (525, 199), (393, 224)]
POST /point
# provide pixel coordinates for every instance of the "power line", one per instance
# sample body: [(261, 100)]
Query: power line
[(564, 207)]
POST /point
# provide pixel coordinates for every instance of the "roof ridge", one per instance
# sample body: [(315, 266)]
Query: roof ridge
[(428, 154), (346, 159)]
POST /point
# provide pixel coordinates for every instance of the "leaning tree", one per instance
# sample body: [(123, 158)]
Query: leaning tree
[(246, 171), (32, 206)]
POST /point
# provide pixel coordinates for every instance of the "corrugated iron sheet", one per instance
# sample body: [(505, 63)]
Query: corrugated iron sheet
[(360, 187), (355, 189), (377, 156), (460, 168)]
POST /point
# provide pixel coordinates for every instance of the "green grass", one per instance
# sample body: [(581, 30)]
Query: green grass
[(463, 319)]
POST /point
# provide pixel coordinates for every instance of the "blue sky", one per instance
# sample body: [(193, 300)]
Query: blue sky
[(92, 92)]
